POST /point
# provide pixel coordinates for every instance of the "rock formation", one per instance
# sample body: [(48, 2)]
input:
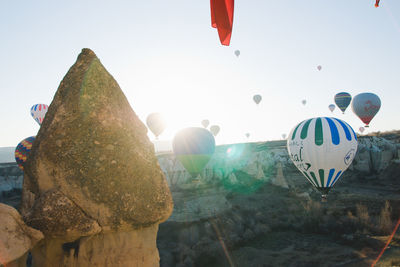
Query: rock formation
[(16, 238), (92, 175)]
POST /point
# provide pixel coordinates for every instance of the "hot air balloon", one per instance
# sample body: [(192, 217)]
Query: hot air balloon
[(22, 151), (361, 129), (214, 129), (283, 136), (156, 123), (342, 100), (205, 123), (365, 106), (247, 135), (331, 107), (38, 112), (377, 3), (322, 149), (237, 53), (194, 147), (304, 102), (222, 19), (319, 67), (257, 99)]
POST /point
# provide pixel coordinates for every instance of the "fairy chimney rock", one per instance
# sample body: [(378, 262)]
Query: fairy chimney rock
[(92, 161)]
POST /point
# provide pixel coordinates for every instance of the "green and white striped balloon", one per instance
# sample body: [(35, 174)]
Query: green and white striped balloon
[(322, 149)]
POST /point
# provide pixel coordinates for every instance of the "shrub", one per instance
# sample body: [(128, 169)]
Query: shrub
[(385, 223)]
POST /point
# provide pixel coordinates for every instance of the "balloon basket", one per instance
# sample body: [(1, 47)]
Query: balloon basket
[(324, 198)]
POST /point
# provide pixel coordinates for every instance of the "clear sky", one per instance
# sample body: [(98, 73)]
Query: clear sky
[(167, 58)]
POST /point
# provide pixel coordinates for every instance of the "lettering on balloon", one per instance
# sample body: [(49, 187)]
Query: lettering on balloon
[(297, 157), (368, 106), (349, 157)]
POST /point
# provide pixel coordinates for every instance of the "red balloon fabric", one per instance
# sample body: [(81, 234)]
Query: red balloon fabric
[(377, 3), (222, 19)]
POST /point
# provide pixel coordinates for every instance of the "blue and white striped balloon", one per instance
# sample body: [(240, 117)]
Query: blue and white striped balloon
[(322, 149)]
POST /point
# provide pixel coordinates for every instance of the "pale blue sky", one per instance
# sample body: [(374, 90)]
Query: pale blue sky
[(168, 59)]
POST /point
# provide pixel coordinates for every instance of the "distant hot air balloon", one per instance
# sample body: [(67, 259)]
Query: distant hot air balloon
[(322, 149), (38, 112), (342, 100), (365, 106), (205, 123), (361, 129), (319, 67), (237, 53), (331, 107), (156, 123), (304, 102), (214, 129), (283, 136), (247, 135), (22, 151), (257, 99), (194, 147)]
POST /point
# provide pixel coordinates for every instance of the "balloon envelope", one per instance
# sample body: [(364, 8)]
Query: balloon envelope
[(257, 99), (38, 112), (304, 102), (205, 123), (247, 135), (331, 107), (156, 123), (214, 129), (361, 129), (319, 67), (194, 147), (342, 100), (322, 149), (237, 53), (22, 151), (283, 136), (365, 106)]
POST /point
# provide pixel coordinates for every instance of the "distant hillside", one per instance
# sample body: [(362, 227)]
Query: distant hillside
[(393, 135), (7, 154)]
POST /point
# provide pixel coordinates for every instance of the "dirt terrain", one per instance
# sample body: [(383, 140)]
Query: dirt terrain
[(278, 227)]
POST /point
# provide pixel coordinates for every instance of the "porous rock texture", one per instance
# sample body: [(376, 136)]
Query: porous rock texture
[(92, 170), (16, 238)]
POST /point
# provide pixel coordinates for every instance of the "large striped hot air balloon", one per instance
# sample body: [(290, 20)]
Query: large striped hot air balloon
[(322, 149), (22, 151), (38, 112), (194, 147), (342, 100), (365, 106)]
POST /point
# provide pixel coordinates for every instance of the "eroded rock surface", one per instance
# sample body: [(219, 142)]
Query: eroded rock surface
[(16, 238), (94, 150), (92, 175)]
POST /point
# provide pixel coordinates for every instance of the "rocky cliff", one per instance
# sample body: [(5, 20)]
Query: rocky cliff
[(249, 190), (240, 168)]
